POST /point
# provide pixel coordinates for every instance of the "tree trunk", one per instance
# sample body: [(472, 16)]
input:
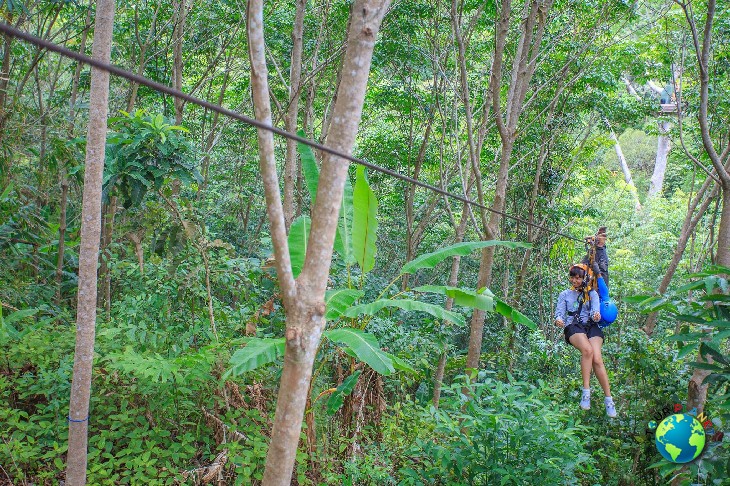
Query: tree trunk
[(291, 167), (660, 165), (61, 236), (180, 15), (453, 279), (304, 299), (89, 251), (697, 392), (107, 233), (532, 29), (691, 220), (142, 62), (62, 225), (625, 168)]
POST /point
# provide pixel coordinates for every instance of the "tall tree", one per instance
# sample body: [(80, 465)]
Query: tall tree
[(304, 297), (703, 44), (89, 251), (506, 117)]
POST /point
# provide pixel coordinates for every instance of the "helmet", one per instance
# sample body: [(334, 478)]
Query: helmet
[(582, 266), (585, 284), (609, 311)]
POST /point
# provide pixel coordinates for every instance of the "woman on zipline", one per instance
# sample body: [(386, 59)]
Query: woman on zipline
[(579, 319)]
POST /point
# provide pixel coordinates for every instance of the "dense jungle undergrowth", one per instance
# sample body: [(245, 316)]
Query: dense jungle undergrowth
[(169, 407)]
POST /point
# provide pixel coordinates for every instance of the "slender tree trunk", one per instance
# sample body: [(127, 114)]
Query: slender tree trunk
[(89, 250), (304, 299), (412, 239), (697, 392), (625, 168), (532, 29), (143, 46), (691, 220), (291, 167), (61, 236), (660, 164), (107, 233), (62, 225), (180, 15), (453, 279), (5, 75)]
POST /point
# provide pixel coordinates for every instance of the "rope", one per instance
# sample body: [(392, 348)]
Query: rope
[(143, 81)]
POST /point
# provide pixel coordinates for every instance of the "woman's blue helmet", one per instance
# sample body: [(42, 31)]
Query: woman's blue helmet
[(609, 311)]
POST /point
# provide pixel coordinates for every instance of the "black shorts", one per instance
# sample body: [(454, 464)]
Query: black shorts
[(590, 329)]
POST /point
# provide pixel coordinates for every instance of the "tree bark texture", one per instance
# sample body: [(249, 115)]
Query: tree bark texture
[(291, 167), (89, 250), (180, 15), (304, 299)]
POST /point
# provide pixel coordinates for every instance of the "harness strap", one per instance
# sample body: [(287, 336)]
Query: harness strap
[(576, 315)]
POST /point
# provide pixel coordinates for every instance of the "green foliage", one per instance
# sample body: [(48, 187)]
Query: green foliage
[(309, 167), (298, 239), (257, 352), (430, 260), (365, 346), (337, 397), (339, 300), (505, 433), (407, 305), (364, 222), (142, 152)]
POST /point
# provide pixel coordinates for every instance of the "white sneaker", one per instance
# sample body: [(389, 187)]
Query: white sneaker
[(610, 407), (585, 401)]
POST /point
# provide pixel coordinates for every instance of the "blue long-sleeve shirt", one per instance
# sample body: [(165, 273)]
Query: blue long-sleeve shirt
[(568, 302)]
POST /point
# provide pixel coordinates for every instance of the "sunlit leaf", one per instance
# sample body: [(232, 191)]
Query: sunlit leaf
[(407, 305), (365, 346), (430, 260)]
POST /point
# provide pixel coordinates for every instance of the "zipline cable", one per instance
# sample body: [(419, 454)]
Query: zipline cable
[(141, 80)]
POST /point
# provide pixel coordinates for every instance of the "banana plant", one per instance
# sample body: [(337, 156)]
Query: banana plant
[(355, 243)]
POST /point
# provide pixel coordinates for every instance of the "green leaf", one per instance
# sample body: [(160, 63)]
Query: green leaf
[(719, 324), (298, 240), (309, 166), (401, 364), (337, 301), (511, 313), (463, 297), (365, 346), (21, 314), (364, 222), (337, 398), (343, 237), (7, 330), (406, 305), (7, 191), (708, 366), (687, 349), (638, 299), (716, 354), (257, 352), (430, 260), (690, 318)]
